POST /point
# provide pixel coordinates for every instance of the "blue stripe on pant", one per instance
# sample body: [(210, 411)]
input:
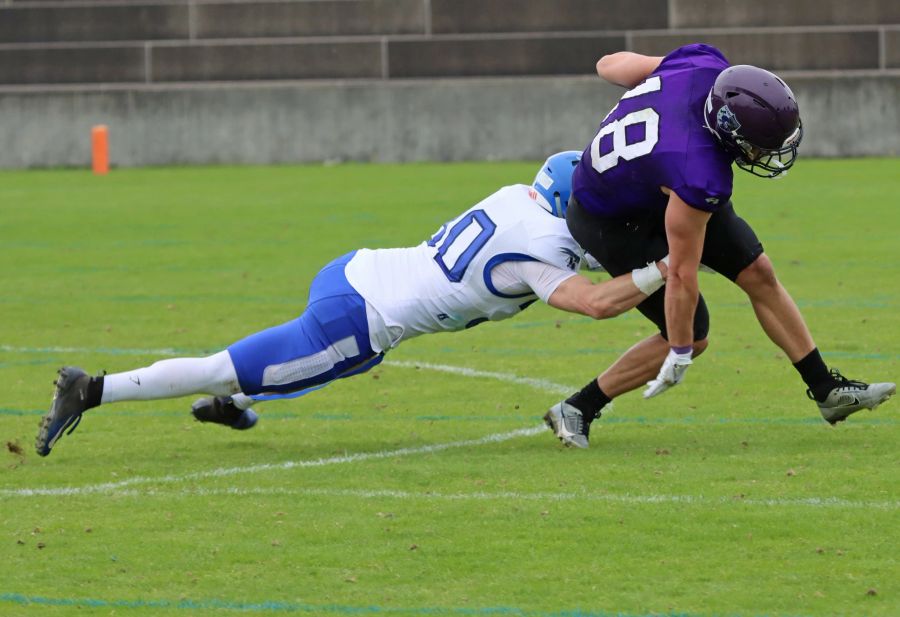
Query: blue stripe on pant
[(330, 340)]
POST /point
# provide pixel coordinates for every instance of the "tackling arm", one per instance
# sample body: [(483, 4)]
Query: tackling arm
[(599, 300), (627, 69)]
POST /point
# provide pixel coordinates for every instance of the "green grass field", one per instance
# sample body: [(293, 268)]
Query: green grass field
[(426, 487)]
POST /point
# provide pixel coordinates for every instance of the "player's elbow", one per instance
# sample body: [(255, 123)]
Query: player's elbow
[(626, 68), (602, 65), (607, 66)]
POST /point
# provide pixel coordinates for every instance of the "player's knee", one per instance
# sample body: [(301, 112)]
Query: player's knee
[(758, 275), (221, 376), (700, 346)]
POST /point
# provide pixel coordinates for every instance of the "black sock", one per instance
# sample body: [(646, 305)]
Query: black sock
[(814, 372), (94, 392), (590, 400)]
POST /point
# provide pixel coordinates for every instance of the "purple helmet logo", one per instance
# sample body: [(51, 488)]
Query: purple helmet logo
[(726, 120), (755, 117)]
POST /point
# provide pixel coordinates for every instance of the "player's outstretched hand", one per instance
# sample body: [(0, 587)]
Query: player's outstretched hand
[(671, 373)]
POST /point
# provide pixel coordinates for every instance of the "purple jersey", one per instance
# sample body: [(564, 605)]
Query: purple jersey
[(655, 137)]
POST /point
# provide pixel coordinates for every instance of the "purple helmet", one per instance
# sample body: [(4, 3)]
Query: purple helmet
[(755, 117)]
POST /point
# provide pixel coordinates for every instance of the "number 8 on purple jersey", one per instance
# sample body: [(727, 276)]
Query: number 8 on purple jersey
[(655, 137)]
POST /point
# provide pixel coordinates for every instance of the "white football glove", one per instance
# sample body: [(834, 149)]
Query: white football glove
[(671, 373)]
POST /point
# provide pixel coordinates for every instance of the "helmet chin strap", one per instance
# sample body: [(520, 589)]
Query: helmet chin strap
[(754, 167)]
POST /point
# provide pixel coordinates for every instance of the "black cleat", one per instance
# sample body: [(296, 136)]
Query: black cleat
[(221, 410), (69, 402)]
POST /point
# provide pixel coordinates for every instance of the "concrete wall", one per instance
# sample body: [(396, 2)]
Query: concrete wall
[(174, 41), (277, 81), (377, 120), (864, 47)]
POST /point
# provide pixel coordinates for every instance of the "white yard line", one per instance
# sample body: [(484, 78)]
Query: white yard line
[(123, 487), (112, 487), (813, 502), (537, 384), (116, 489), (167, 352)]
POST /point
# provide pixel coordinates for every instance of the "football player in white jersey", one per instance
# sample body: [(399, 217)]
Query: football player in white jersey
[(487, 264)]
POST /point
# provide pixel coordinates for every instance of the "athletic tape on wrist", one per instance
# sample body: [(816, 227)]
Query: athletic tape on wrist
[(648, 279)]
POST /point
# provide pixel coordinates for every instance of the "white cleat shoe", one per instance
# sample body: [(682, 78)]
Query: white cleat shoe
[(567, 423), (849, 396)]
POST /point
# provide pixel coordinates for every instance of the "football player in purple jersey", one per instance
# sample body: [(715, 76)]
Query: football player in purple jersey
[(656, 179)]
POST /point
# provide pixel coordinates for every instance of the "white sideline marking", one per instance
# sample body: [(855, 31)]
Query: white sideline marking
[(692, 500), (231, 471), (538, 384), (85, 350), (816, 502)]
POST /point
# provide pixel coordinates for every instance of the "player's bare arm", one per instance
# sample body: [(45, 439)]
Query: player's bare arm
[(685, 229), (602, 300), (627, 69)]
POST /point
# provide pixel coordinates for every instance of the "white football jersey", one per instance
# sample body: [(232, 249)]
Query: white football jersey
[(445, 283)]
